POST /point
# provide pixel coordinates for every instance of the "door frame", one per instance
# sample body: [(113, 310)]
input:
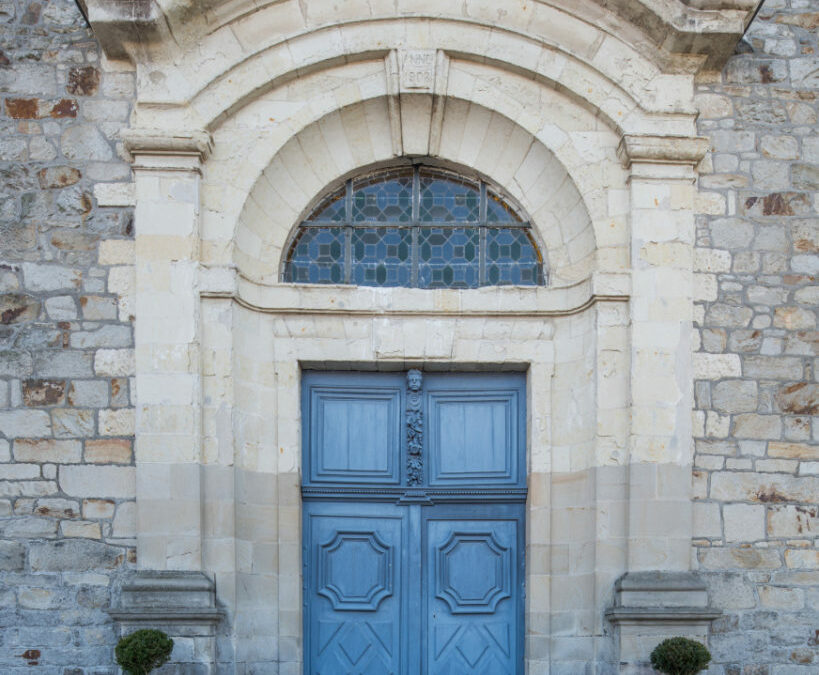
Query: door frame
[(349, 495)]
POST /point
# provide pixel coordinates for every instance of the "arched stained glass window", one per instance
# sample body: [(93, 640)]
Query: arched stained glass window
[(416, 226)]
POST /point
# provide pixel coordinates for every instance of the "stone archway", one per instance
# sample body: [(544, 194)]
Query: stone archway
[(581, 117)]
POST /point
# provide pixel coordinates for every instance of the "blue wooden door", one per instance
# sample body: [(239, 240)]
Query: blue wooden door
[(414, 493)]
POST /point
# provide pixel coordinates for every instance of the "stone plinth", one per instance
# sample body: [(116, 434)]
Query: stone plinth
[(650, 607)]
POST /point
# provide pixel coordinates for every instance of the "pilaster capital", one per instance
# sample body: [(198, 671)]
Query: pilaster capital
[(662, 157), (167, 149)]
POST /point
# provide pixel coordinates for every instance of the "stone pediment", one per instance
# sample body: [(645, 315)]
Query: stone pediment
[(676, 34)]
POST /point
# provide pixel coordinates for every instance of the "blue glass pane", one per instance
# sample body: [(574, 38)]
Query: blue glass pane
[(447, 199), (511, 258), (448, 257), (498, 211), (382, 256), (385, 198), (317, 256), (331, 208)]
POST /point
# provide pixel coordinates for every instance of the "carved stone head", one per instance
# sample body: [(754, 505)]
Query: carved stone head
[(414, 378)]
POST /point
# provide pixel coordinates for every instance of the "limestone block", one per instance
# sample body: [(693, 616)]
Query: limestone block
[(97, 481), (114, 362), (20, 423), (98, 508), (707, 520), (722, 558), (801, 558), (47, 450), (763, 488), (116, 422), (74, 555), (781, 598), (80, 528), (750, 425), (125, 520), (108, 451), (114, 194), (735, 396), (716, 366), (744, 522)]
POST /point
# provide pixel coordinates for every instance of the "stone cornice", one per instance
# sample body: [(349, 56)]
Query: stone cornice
[(195, 143), (706, 29), (680, 150)]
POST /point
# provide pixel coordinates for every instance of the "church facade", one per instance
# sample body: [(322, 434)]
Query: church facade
[(369, 337)]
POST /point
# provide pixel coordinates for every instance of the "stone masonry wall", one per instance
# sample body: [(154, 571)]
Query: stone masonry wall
[(67, 515), (756, 478), (66, 400)]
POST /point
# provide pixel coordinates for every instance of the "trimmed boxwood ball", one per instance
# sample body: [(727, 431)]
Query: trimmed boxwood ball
[(143, 650), (680, 656)]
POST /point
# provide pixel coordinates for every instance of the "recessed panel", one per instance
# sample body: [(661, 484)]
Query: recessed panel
[(473, 437), (354, 434)]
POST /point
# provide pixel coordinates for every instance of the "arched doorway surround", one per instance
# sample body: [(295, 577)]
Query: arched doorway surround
[(582, 121)]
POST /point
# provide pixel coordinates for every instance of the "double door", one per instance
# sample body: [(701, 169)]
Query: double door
[(414, 492)]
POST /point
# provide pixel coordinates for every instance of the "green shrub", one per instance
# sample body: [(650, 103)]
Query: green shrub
[(142, 651), (680, 656)]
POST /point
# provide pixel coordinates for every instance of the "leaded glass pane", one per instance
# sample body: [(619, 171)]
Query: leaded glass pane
[(415, 226), (333, 208), (384, 198), (317, 256), (448, 257), (511, 258), (382, 256), (498, 211), (445, 198)]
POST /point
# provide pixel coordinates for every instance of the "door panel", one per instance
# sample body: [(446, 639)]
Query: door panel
[(353, 426), (354, 559), (473, 585), (414, 490), (475, 429)]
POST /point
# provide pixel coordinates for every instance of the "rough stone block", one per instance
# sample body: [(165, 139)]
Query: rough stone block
[(20, 423), (735, 396), (43, 392), (18, 308), (116, 422), (88, 394), (722, 558), (744, 522), (61, 308), (12, 556), (97, 481), (716, 366), (772, 367), (114, 362), (56, 508), (73, 422), (74, 555), (793, 450), (98, 307), (108, 451), (47, 450), (98, 508), (787, 520), (800, 558), (80, 528)]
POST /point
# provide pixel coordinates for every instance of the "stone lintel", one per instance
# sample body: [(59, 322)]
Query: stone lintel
[(684, 151), (156, 148)]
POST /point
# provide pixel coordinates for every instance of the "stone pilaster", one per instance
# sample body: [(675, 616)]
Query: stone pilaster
[(662, 236), (169, 391)]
